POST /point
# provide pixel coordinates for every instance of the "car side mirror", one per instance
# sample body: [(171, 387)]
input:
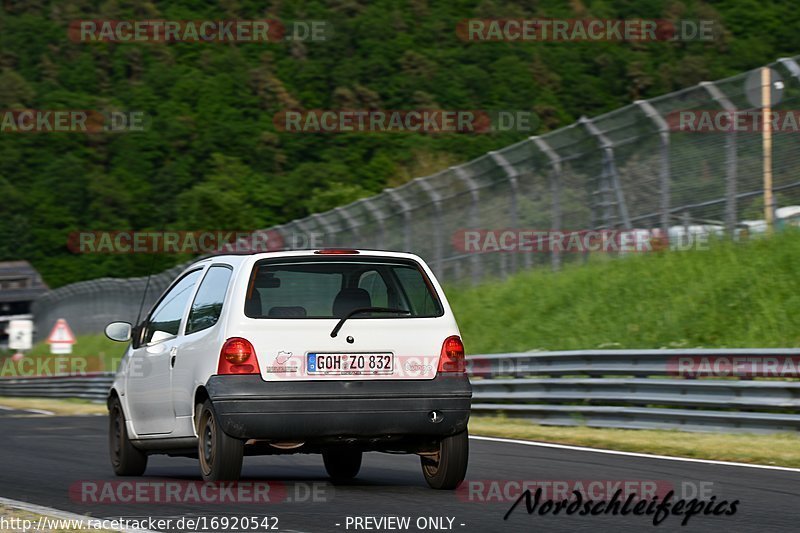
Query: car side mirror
[(119, 331)]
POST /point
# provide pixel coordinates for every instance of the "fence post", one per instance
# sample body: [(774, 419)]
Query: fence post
[(609, 173), (280, 230), (303, 224), (512, 175), (306, 228), (664, 170), (474, 217), (352, 225), (686, 220), (731, 161), (406, 210), (436, 198), (326, 227), (555, 192), (376, 214)]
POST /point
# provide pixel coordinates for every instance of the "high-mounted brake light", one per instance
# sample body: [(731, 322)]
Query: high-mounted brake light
[(237, 357), (452, 357), (337, 251)]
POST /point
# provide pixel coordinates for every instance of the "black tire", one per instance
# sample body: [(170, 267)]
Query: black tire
[(342, 464), (220, 454), (126, 459), (447, 469)]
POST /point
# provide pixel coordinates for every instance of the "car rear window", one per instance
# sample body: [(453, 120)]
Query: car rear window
[(330, 288)]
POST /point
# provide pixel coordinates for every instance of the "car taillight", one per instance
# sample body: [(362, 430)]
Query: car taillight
[(452, 356), (238, 357)]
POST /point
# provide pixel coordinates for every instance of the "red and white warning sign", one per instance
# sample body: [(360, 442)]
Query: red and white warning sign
[(61, 338)]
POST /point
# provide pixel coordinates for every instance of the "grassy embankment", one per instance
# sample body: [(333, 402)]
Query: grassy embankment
[(733, 295)]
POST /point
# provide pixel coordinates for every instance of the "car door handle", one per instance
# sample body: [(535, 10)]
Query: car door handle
[(172, 355)]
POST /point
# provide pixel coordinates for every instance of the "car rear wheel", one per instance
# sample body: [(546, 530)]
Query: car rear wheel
[(446, 468), (220, 454), (342, 464), (126, 459)]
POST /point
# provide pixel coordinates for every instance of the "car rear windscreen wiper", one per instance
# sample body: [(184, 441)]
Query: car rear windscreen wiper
[(365, 310)]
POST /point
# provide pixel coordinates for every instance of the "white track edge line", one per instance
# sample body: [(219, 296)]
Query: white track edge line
[(631, 454), (23, 410), (58, 513), (39, 411)]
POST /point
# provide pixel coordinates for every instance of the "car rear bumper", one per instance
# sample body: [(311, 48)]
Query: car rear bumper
[(251, 408)]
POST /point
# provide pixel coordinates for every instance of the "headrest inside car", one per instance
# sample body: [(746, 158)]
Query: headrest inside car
[(349, 299), (266, 279)]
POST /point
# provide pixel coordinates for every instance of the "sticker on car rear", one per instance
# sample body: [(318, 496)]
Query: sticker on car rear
[(353, 364)]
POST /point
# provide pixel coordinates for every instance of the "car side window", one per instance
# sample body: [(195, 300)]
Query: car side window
[(372, 282), (165, 320), (207, 305)]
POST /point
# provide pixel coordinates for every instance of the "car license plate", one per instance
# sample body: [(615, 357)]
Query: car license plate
[(355, 364)]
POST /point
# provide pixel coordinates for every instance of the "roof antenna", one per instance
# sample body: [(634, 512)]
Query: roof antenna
[(146, 286)]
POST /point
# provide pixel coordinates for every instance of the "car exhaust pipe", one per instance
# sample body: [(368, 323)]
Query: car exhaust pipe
[(435, 417), (286, 445)]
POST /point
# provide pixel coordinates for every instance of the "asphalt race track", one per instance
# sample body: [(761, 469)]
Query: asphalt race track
[(43, 457)]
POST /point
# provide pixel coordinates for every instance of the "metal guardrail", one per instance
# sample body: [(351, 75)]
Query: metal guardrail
[(634, 389), (88, 387), (639, 389), (679, 393)]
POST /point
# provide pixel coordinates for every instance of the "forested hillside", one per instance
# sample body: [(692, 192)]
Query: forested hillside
[(210, 156)]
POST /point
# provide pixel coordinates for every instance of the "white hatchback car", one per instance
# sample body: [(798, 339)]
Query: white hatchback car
[(335, 352)]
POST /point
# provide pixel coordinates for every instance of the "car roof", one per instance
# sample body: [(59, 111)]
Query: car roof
[(240, 257)]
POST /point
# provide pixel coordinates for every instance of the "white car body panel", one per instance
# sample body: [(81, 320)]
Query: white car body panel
[(158, 395)]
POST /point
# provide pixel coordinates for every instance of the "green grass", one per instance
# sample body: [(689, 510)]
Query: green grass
[(733, 295), (782, 449), (57, 406)]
